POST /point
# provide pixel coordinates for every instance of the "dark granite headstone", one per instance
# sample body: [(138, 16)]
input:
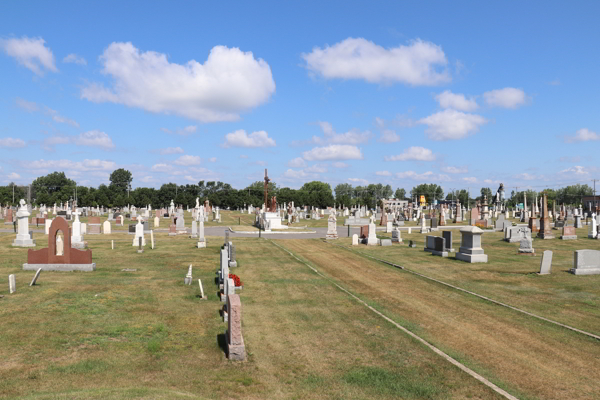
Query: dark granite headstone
[(132, 228), (439, 243), (447, 235)]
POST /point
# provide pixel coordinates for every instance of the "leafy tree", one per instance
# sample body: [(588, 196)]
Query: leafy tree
[(120, 180), (52, 188), (344, 194), (486, 192), (400, 194), (317, 193), (431, 192)]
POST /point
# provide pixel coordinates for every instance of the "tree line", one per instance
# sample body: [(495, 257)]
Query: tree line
[(57, 188)]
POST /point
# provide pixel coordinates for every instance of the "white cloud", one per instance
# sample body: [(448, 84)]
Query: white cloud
[(576, 170), (505, 98), (172, 150), (161, 167), (359, 181), (56, 117), (148, 179), (74, 58), (317, 168), (94, 139), (297, 162), (12, 143), (188, 160), (415, 153), (240, 138), (447, 99), (455, 170), (426, 176), (383, 173), (353, 136), (230, 81), (213, 159), (470, 179), (582, 135), (85, 165), (339, 164), (389, 136), (49, 142), (13, 175), (31, 53), (29, 106), (333, 152), (293, 174), (413, 64), (451, 124)]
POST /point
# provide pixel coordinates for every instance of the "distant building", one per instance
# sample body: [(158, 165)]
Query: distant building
[(394, 204), (590, 203)]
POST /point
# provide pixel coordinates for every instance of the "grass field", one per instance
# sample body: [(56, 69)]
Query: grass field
[(144, 334)]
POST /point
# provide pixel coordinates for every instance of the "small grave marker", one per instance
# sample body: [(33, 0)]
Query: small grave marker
[(12, 285), (36, 276), (546, 263)]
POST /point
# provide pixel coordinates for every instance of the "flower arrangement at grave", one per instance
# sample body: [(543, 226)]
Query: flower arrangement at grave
[(236, 280)]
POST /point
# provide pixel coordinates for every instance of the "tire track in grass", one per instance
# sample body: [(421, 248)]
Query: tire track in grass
[(439, 352), (471, 293)]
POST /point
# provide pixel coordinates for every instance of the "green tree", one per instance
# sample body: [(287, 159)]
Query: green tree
[(400, 194), (52, 188), (120, 181), (431, 192), (343, 194), (486, 192), (317, 194)]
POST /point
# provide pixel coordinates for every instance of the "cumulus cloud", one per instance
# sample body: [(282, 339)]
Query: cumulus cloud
[(451, 124), (357, 58), (240, 138), (353, 136), (171, 150), (297, 162), (360, 181), (426, 176), (457, 101), (148, 179), (414, 153), (389, 136), (188, 160), (582, 135), (12, 143), (74, 58), (577, 170), (49, 142), (161, 167), (470, 179), (29, 106), (213, 159), (383, 173), (505, 98), (94, 138), (13, 175), (455, 170), (333, 152), (227, 83), (30, 53), (317, 168)]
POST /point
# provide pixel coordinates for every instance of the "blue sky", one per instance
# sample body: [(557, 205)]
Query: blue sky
[(451, 93)]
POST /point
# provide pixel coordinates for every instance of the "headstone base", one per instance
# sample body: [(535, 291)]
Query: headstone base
[(386, 242), (23, 243), (569, 237), (193, 236), (472, 258), (78, 245), (60, 267), (232, 264), (331, 236), (201, 245), (235, 352), (437, 253), (585, 271)]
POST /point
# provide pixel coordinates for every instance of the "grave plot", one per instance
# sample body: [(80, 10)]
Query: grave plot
[(134, 328), (513, 349)]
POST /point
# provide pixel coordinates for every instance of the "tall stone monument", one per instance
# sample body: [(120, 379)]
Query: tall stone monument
[(23, 238), (545, 228)]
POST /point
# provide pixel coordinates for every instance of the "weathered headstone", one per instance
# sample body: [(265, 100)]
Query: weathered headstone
[(586, 262), (188, 277), (396, 236), (436, 246), (355, 240), (526, 246), (568, 233), (385, 242), (202, 296), (35, 277), (447, 235), (106, 228), (12, 285), (470, 249), (235, 342), (546, 263)]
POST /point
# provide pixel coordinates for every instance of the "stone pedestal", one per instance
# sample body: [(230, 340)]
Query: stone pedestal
[(470, 249), (236, 350), (23, 238)]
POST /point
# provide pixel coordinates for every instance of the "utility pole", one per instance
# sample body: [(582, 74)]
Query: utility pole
[(594, 180), (13, 193)]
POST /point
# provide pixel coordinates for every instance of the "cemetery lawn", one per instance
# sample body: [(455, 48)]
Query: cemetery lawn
[(111, 334), (528, 357)]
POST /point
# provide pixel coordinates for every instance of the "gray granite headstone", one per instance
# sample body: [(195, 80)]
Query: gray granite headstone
[(526, 246), (546, 263), (448, 237)]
